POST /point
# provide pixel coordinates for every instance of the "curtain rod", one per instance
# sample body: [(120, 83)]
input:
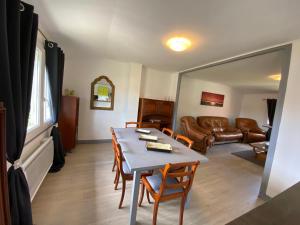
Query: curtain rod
[(41, 32)]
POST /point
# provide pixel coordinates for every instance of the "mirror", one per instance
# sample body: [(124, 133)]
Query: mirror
[(102, 94)]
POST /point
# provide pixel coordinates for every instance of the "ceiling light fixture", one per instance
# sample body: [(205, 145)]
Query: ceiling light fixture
[(276, 77), (179, 44)]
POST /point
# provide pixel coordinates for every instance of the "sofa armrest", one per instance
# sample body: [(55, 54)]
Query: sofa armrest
[(196, 135), (205, 131), (244, 130), (232, 129), (258, 130)]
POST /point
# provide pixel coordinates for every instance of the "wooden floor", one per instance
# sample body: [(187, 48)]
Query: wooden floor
[(82, 192)]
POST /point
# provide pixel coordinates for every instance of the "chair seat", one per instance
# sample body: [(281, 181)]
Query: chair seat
[(126, 168), (155, 181)]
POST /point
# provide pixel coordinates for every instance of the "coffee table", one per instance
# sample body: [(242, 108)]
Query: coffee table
[(260, 149)]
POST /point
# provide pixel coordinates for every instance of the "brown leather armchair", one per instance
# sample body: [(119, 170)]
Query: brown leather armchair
[(251, 131), (219, 127), (203, 140)]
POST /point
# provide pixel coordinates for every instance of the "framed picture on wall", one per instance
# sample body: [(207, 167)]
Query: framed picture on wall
[(212, 99)]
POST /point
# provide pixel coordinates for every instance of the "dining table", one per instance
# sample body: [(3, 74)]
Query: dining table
[(139, 159)]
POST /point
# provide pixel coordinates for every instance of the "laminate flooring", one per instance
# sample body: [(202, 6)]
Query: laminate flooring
[(82, 192)]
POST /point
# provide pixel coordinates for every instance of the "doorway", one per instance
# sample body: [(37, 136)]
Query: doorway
[(284, 53)]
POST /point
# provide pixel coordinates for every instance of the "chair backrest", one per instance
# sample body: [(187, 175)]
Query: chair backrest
[(168, 132), (184, 140), (132, 124), (113, 138), (112, 131), (118, 154), (183, 172)]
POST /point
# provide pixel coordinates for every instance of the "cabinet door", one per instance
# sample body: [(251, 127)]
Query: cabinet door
[(165, 108), (149, 107), (68, 120)]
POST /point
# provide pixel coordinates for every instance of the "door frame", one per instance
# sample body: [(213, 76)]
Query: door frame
[(285, 51)]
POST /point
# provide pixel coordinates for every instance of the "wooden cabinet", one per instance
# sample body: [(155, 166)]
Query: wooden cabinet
[(156, 111), (4, 205), (68, 121)]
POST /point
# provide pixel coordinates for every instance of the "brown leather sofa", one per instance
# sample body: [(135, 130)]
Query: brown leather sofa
[(251, 131), (219, 127), (203, 140)]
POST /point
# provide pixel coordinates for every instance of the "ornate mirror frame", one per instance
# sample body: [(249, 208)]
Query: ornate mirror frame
[(92, 106)]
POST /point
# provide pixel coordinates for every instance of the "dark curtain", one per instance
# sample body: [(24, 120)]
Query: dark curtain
[(18, 33), (55, 67), (271, 104)]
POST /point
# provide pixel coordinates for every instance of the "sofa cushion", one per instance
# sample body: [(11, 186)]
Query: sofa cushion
[(228, 135)]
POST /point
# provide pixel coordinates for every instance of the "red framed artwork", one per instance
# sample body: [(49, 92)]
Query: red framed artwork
[(212, 99)]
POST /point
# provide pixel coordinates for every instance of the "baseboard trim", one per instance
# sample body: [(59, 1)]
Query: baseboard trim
[(97, 141)]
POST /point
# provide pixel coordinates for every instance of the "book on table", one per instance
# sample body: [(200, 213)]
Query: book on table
[(160, 147), (146, 137), (143, 131)]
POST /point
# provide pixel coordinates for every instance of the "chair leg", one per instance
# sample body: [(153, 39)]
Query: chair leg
[(116, 176), (142, 194), (114, 165), (155, 210), (117, 179), (148, 197), (123, 192), (181, 210)]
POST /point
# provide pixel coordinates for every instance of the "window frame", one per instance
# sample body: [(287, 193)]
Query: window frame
[(43, 125)]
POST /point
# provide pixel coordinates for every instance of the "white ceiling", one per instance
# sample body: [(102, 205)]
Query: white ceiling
[(134, 30), (248, 75)]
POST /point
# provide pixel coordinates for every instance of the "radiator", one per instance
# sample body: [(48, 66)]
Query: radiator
[(37, 165)]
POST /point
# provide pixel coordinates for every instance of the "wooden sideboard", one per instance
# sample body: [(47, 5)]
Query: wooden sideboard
[(4, 205), (68, 121), (156, 112)]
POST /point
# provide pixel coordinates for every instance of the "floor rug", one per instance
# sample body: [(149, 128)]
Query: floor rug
[(249, 155)]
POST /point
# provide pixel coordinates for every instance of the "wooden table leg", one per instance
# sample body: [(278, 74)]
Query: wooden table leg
[(134, 197)]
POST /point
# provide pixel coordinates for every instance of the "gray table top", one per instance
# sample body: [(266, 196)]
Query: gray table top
[(139, 158)]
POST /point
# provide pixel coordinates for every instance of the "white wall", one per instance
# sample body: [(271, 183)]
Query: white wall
[(157, 84), (134, 83), (255, 107), (80, 73), (190, 98), (131, 81), (285, 168)]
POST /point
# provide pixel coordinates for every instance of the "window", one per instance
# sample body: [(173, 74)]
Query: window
[(40, 116), (34, 115), (47, 100)]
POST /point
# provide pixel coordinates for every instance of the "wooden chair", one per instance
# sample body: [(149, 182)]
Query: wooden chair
[(116, 180), (132, 124), (184, 140), (123, 170), (174, 181), (168, 132), (115, 160)]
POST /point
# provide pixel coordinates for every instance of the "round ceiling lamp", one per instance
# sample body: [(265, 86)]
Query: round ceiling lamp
[(276, 77), (179, 44)]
